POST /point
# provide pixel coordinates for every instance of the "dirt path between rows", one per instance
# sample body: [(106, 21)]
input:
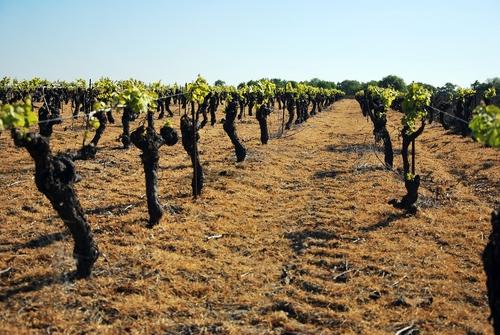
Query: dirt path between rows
[(299, 239)]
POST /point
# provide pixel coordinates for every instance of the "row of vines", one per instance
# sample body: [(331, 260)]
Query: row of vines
[(29, 110), (31, 128)]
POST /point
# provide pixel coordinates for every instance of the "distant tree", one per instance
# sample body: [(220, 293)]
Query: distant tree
[(219, 82), (321, 83), (478, 86), (495, 82), (393, 81), (369, 83), (252, 82), (482, 87), (350, 87), (448, 87), (278, 82)]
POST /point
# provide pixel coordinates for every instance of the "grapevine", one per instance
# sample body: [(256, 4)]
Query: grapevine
[(414, 106), (485, 125)]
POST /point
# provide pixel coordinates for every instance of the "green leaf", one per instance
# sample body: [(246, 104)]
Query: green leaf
[(31, 119), (94, 123), (485, 125), (414, 103)]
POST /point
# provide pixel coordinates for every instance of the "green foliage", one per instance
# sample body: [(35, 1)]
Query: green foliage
[(17, 115), (80, 83), (157, 87), (461, 93), (414, 103), (485, 125), (219, 83), (265, 89), (409, 176), (302, 90), (316, 82), (490, 93), (369, 83), (350, 87), (242, 90), (448, 87), (107, 93), (429, 87), (394, 82), (229, 92), (494, 82), (136, 98), (198, 90), (94, 122), (385, 95), (279, 82)]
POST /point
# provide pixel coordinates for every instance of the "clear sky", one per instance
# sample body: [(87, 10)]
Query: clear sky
[(431, 41)]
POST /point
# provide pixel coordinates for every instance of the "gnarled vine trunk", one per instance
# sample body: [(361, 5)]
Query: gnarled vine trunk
[(47, 119), (381, 133), (291, 114), (109, 115), (100, 130), (261, 116), (127, 117), (54, 177), (149, 142), (212, 107), (411, 183), (189, 131), (230, 129), (242, 109), (378, 118)]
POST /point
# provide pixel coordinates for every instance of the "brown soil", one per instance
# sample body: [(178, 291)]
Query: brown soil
[(298, 239)]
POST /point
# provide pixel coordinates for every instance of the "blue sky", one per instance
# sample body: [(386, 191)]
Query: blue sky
[(430, 41)]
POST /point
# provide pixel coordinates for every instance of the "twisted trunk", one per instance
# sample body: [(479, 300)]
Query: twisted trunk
[(109, 115), (381, 133), (102, 126), (305, 113), (47, 120), (149, 142), (261, 116), (127, 117), (167, 106), (299, 112), (54, 177), (203, 110), (160, 108), (251, 103), (230, 129), (189, 132), (313, 110), (212, 110), (377, 115), (242, 109), (291, 114), (411, 183)]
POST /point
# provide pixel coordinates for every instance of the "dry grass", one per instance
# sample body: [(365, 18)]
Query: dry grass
[(309, 244)]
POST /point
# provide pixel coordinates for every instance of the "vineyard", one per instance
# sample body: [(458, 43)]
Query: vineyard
[(267, 208)]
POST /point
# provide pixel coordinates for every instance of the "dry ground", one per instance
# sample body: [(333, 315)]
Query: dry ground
[(304, 241)]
